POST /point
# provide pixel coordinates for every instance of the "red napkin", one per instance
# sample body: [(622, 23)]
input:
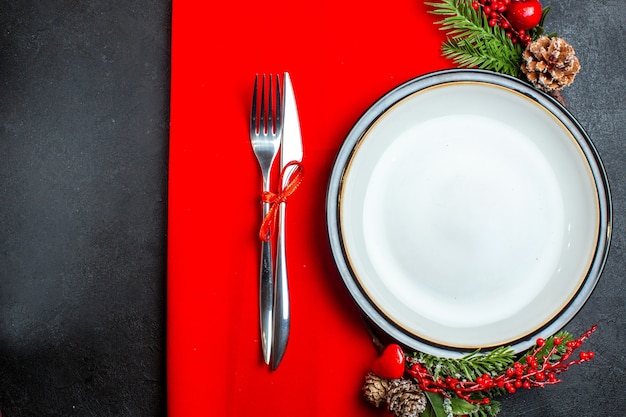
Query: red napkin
[(342, 56)]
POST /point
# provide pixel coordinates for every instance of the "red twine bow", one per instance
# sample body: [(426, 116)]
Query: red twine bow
[(295, 179)]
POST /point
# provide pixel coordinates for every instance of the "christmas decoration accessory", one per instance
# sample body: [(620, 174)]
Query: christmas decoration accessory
[(375, 389), (390, 364), (474, 41), (506, 36), (523, 14), (405, 398), (455, 387), (550, 63)]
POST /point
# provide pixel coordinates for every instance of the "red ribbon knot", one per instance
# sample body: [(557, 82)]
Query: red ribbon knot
[(275, 199)]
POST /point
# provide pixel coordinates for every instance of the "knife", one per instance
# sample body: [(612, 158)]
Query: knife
[(291, 150)]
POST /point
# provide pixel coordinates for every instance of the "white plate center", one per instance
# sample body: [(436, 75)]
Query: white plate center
[(464, 214)]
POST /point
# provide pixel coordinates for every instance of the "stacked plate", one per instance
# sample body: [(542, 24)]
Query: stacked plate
[(467, 210)]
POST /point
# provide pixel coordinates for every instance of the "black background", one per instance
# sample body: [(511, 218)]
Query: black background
[(84, 114)]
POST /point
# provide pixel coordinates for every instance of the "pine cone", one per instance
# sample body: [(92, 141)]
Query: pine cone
[(375, 389), (550, 63), (405, 398)]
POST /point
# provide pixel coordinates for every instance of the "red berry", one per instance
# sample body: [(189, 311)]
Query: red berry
[(390, 364), (557, 341), (524, 14)]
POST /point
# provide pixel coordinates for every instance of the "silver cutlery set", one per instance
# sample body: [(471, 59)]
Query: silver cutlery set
[(274, 129)]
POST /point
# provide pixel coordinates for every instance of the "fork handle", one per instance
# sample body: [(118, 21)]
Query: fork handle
[(282, 315), (266, 295)]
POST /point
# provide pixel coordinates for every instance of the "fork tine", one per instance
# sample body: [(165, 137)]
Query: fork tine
[(262, 116), (253, 121), (278, 105), (270, 110)]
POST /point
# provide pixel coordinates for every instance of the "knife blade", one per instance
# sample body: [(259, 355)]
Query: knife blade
[(291, 150)]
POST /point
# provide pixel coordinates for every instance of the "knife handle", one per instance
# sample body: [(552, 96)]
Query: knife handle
[(282, 315), (266, 299)]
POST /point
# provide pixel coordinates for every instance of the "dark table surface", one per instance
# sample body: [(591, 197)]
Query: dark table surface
[(84, 112)]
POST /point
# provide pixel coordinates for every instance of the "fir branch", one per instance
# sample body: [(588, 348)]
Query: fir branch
[(470, 366), (461, 21), (489, 410), (486, 55), (472, 42)]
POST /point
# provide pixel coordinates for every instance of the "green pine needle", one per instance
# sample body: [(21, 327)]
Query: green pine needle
[(472, 43), (470, 366)]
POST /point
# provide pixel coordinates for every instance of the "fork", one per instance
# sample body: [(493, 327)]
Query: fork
[(265, 135)]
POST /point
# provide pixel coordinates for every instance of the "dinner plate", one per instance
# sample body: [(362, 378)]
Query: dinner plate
[(467, 210)]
